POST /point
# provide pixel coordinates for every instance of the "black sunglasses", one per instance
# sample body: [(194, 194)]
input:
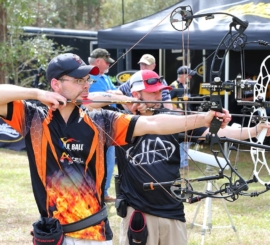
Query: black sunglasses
[(150, 81)]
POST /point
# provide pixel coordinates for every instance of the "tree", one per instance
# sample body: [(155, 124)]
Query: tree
[(25, 55), (21, 56), (76, 14), (3, 35), (112, 11)]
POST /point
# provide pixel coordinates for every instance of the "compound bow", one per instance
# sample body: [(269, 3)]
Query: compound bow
[(230, 191)]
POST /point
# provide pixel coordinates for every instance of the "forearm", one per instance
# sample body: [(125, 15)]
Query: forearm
[(167, 124), (107, 98), (10, 93), (236, 133), (242, 134)]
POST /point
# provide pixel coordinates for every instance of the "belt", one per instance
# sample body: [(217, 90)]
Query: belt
[(86, 222)]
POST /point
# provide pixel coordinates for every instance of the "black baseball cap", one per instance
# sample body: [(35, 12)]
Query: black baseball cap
[(71, 65), (185, 70)]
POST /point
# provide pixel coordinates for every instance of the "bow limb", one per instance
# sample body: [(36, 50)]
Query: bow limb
[(258, 155)]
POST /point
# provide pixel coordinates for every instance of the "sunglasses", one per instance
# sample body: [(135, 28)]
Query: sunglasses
[(150, 81)]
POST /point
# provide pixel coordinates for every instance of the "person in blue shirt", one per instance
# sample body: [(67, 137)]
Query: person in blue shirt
[(102, 59)]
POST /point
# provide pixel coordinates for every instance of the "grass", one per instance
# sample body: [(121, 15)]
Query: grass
[(250, 216)]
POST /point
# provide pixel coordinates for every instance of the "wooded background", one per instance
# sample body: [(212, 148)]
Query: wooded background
[(20, 55)]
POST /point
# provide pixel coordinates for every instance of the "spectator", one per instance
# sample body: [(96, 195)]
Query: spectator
[(184, 74), (101, 58)]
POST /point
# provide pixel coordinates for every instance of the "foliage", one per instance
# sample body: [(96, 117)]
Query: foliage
[(21, 57), (113, 79), (24, 57), (82, 14), (87, 14), (130, 10)]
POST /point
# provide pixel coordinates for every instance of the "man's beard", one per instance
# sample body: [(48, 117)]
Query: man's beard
[(150, 105)]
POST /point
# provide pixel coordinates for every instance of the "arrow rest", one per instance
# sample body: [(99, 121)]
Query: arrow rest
[(180, 193)]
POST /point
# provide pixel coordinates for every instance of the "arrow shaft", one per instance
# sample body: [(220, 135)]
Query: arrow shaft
[(129, 101)]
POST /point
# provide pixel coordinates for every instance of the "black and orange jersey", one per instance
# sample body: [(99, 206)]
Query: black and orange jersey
[(67, 159)]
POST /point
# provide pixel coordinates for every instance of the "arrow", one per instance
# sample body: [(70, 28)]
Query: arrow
[(88, 101)]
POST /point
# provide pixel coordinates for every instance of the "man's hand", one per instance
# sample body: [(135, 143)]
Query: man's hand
[(136, 107), (259, 127), (225, 116), (51, 99)]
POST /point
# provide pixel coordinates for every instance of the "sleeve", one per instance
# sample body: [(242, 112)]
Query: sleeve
[(16, 116), (165, 93), (125, 88), (199, 131), (119, 127)]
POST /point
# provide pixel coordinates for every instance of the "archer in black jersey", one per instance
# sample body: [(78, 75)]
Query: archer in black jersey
[(155, 157)]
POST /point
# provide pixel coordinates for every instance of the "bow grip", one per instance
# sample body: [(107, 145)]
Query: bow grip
[(216, 105)]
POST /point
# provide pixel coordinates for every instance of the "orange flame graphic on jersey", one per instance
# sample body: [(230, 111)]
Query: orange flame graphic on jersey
[(72, 206)]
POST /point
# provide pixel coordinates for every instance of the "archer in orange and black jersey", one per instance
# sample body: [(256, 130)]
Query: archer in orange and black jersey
[(67, 159)]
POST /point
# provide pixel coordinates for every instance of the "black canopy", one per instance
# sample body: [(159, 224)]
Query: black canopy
[(202, 33)]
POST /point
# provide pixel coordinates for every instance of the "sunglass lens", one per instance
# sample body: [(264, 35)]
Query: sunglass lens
[(152, 81)]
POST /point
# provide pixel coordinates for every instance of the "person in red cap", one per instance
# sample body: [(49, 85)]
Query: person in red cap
[(154, 217), (144, 79), (66, 145), (148, 62)]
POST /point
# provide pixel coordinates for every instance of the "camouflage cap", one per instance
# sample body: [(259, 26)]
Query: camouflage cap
[(102, 53)]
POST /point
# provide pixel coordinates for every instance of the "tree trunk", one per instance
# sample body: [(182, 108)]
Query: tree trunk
[(3, 36)]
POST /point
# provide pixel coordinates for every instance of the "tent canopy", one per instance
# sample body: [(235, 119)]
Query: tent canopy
[(202, 33)]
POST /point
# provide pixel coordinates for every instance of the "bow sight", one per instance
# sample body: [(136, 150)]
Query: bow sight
[(240, 87)]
